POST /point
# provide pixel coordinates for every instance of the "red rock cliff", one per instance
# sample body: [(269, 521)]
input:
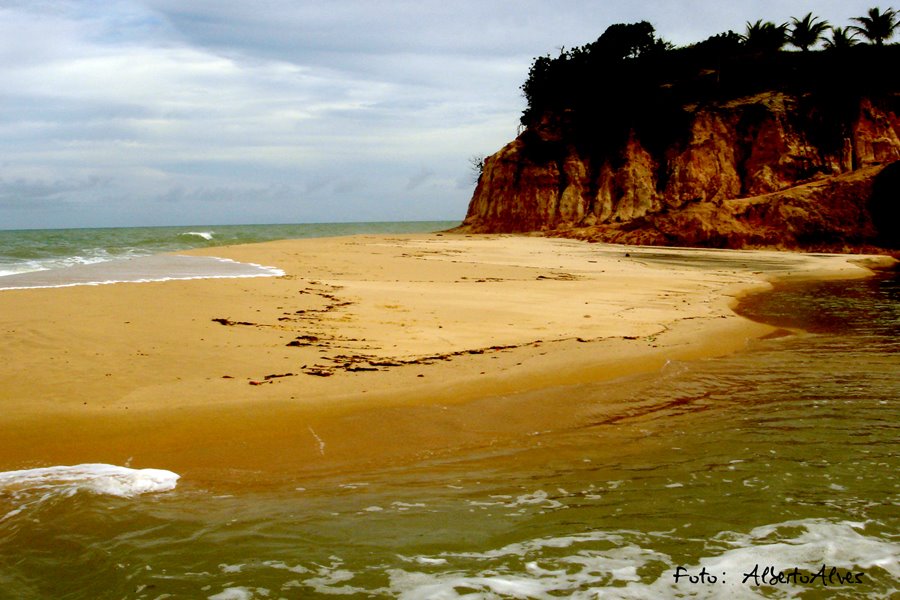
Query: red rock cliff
[(754, 171)]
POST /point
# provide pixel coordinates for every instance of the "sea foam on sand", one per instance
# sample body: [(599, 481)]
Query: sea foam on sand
[(142, 269)]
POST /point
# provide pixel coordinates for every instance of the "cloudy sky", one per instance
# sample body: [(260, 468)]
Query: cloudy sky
[(157, 112)]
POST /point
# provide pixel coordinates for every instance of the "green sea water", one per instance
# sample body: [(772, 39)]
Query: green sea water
[(31, 250)]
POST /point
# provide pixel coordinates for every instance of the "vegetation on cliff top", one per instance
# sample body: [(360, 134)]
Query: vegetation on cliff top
[(630, 81)]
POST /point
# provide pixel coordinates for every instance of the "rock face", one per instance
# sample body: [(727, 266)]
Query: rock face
[(767, 170)]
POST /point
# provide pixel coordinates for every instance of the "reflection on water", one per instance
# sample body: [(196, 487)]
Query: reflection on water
[(782, 456), (859, 308)]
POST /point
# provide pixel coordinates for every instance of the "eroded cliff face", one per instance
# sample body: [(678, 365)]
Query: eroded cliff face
[(768, 170)]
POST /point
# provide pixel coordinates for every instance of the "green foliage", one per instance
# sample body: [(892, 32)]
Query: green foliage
[(616, 74), (841, 38), (631, 82), (619, 44), (806, 32), (624, 41), (765, 36), (728, 43), (476, 164), (877, 26)]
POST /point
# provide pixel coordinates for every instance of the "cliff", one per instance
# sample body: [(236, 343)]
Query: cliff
[(776, 168)]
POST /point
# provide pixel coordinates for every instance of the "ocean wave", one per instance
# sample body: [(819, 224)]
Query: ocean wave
[(206, 235), (35, 486), (585, 570), (141, 269), (96, 256), (615, 564), (19, 268)]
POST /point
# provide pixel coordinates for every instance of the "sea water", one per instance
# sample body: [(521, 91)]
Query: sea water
[(768, 473), (64, 257)]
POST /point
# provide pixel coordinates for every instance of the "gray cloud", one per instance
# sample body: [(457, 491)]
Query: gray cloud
[(21, 193), (422, 176), (166, 110)]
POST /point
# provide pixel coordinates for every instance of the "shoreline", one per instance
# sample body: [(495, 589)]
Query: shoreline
[(155, 268), (323, 367)]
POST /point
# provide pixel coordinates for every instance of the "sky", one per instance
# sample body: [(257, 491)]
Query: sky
[(179, 112)]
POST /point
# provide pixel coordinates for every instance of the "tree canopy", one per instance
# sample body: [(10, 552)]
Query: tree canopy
[(765, 36), (629, 70), (877, 26), (841, 38), (618, 44), (629, 81), (806, 32)]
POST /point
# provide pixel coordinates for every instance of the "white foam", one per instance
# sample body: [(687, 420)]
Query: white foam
[(143, 269), (206, 235), (25, 267), (240, 593), (839, 544), (591, 569), (615, 564), (37, 485), (332, 580), (37, 265)]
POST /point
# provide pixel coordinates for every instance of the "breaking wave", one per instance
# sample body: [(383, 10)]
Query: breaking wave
[(206, 235), (35, 486), (621, 565)]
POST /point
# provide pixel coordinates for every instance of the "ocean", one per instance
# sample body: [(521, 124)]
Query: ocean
[(60, 257), (768, 473)]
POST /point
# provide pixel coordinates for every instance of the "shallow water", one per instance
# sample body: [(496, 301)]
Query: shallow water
[(783, 456), (25, 251), (159, 267)]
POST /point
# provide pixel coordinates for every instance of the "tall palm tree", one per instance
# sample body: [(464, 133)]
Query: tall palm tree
[(841, 38), (806, 32), (765, 36), (877, 26)]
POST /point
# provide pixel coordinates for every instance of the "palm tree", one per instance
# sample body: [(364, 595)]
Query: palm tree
[(877, 26), (807, 32), (765, 37), (841, 38)]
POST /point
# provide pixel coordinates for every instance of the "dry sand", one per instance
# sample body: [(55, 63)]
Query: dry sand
[(369, 349)]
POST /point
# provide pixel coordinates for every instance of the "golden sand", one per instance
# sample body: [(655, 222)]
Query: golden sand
[(370, 348)]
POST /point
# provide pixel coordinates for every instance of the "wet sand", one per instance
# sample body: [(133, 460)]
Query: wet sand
[(369, 349)]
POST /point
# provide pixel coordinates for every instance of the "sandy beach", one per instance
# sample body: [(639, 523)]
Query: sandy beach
[(369, 348)]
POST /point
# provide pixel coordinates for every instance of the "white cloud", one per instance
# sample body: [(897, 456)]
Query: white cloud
[(308, 109)]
